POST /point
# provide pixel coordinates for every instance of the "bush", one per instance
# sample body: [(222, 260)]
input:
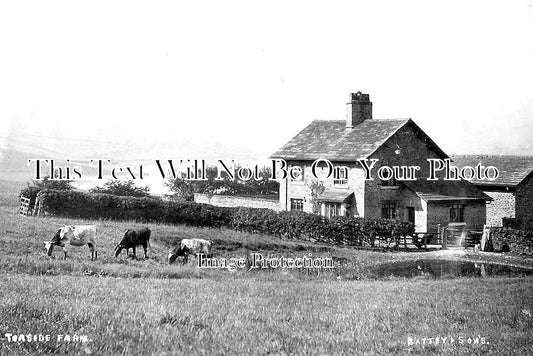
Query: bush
[(289, 224), (120, 188), (36, 186)]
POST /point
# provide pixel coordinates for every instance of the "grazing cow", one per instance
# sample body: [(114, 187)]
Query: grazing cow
[(190, 246), (133, 239), (76, 236)]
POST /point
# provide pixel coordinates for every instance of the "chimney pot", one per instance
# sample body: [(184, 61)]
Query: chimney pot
[(358, 109)]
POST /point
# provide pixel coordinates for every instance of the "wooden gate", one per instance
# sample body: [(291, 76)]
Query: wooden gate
[(24, 208), (458, 235), (453, 235)]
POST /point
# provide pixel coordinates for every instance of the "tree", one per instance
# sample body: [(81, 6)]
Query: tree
[(184, 189), (122, 188), (35, 186), (315, 189), (264, 186), (47, 183)]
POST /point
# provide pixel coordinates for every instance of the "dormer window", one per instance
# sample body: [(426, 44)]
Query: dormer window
[(340, 176)]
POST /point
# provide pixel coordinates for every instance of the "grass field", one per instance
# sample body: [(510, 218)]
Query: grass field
[(128, 306), (265, 314)]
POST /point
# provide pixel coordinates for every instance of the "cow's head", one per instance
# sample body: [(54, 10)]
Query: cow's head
[(48, 246), (176, 252), (117, 250), (172, 255), (56, 240)]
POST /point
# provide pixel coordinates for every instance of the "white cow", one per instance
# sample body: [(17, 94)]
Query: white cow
[(190, 246), (76, 236)]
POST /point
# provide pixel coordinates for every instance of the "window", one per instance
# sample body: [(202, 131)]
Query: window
[(388, 210), (332, 209), (297, 204), (340, 176), (389, 183), (457, 213)]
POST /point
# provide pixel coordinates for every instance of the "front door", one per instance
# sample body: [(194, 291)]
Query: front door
[(411, 215)]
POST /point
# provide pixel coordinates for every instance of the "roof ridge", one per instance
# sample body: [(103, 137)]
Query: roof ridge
[(343, 120), (327, 120), (330, 139), (489, 155)]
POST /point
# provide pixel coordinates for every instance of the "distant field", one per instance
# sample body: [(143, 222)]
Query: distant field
[(9, 192), (128, 306)]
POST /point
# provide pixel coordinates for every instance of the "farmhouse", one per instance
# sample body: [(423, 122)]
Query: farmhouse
[(512, 191), (397, 142)]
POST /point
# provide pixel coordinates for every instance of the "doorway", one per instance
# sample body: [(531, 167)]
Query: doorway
[(411, 215)]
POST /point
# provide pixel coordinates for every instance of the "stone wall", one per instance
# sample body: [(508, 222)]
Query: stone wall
[(503, 206), (237, 201), (518, 241), (524, 203)]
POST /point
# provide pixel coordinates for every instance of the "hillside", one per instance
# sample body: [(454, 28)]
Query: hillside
[(15, 150)]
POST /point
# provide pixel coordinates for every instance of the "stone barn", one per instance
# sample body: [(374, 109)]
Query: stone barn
[(511, 192)]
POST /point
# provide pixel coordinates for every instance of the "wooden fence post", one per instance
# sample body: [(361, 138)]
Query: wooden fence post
[(485, 238), (442, 232)]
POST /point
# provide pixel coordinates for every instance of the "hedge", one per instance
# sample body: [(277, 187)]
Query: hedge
[(289, 224), (78, 204)]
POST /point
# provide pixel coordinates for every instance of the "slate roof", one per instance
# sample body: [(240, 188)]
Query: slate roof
[(441, 190), (513, 169), (329, 139)]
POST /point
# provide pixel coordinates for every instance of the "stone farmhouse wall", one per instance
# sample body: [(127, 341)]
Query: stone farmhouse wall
[(237, 201), (300, 189), (524, 203), (406, 147), (516, 204), (502, 206)]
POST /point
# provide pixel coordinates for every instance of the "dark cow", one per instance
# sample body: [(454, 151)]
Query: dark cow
[(133, 239)]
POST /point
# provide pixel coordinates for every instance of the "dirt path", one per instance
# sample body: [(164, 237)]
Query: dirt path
[(469, 255)]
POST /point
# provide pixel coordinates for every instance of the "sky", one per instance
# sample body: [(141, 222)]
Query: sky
[(250, 74)]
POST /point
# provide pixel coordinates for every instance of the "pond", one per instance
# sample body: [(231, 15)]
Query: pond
[(436, 268)]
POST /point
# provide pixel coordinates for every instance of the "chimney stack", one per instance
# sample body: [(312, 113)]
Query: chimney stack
[(358, 109)]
